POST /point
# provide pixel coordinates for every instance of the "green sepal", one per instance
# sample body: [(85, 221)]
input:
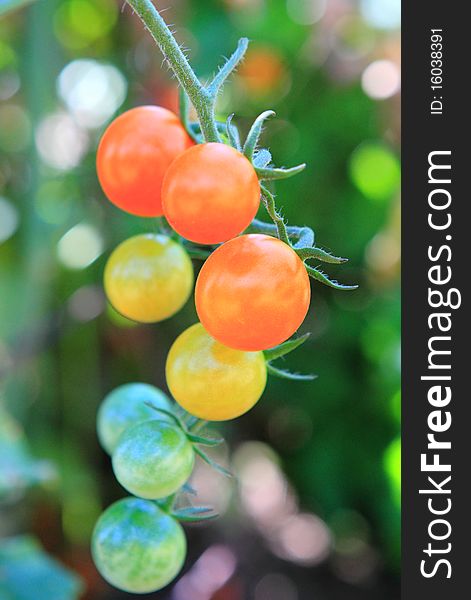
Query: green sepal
[(204, 441), (319, 254), (174, 418), (285, 348), (212, 463), (233, 133), (194, 514), (254, 134), (325, 279), (262, 158), (283, 374), (188, 489), (271, 174)]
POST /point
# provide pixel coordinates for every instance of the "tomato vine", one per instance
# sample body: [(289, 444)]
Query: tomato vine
[(203, 98), (253, 292)]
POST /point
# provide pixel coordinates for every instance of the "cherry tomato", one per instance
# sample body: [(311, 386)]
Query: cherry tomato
[(148, 278), (212, 381), (153, 459), (210, 193), (252, 293), (134, 154), (137, 547), (126, 406)]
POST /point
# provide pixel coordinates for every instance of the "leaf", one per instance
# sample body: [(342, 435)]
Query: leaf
[(255, 132), (325, 279), (212, 463), (192, 514), (288, 374), (268, 173), (28, 573), (285, 347)]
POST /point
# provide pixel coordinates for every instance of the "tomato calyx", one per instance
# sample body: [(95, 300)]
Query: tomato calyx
[(186, 514), (195, 514), (189, 430), (282, 350)]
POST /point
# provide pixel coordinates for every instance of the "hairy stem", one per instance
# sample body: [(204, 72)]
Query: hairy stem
[(200, 97)]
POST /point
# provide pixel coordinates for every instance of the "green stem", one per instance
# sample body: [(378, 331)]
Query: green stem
[(166, 504), (304, 235), (200, 97), (269, 202)]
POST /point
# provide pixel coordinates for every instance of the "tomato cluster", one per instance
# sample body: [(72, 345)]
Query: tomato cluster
[(253, 291), (251, 294)]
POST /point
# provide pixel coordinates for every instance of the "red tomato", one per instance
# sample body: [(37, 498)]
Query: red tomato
[(134, 154), (210, 193), (252, 293)]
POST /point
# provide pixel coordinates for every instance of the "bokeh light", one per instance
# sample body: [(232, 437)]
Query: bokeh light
[(381, 79), (392, 466), (263, 487), (92, 91), (61, 143), (383, 14), (303, 539), (211, 571), (383, 252), (80, 246), (78, 23), (87, 303), (306, 12), (9, 219), (9, 84), (375, 170)]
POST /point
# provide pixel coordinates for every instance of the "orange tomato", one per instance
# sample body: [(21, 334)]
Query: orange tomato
[(252, 293), (210, 193), (134, 154)]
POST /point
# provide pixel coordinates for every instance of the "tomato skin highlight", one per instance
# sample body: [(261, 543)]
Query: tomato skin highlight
[(134, 154), (148, 278), (153, 459), (211, 381), (252, 293), (126, 406), (137, 547), (210, 193)]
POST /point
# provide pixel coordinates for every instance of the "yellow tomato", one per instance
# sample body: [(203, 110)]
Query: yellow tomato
[(148, 278), (211, 381)]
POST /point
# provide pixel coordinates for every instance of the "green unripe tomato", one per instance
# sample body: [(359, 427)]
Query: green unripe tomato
[(137, 547), (126, 406), (153, 459)]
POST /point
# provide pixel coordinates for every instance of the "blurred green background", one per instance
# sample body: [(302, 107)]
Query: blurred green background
[(316, 512)]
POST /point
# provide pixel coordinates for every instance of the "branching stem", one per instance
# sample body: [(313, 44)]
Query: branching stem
[(202, 98)]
